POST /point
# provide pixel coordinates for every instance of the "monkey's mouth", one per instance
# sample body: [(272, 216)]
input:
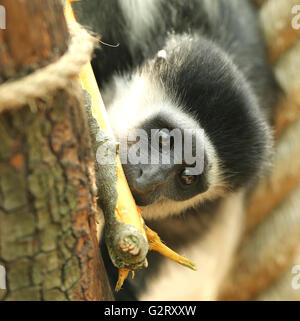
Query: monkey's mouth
[(143, 199)]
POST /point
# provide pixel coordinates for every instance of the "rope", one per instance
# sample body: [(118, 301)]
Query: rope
[(55, 76)]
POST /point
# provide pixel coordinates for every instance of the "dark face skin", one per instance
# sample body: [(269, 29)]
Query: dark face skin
[(150, 182)]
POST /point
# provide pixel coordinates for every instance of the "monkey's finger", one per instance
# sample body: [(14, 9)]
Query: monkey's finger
[(156, 244), (123, 274)]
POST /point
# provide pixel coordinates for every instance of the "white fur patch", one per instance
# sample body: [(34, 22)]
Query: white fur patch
[(212, 255), (140, 16), (165, 208)]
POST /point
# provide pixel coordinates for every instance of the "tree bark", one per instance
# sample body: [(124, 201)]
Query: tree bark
[(48, 242)]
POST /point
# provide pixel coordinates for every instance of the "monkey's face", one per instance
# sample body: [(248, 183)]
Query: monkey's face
[(168, 159), (166, 163), (169, 163)]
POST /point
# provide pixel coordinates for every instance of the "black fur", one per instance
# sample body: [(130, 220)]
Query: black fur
[(216, 68)]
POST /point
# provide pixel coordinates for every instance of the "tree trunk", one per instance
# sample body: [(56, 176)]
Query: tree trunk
[(48, 243)]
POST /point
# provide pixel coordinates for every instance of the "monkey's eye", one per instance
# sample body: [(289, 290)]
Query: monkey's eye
[(186, 178)]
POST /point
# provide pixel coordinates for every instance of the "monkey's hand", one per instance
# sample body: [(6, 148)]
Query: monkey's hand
[(156, 244)]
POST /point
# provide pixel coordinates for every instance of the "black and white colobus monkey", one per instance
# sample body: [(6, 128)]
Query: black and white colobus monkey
[(187, 64)]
